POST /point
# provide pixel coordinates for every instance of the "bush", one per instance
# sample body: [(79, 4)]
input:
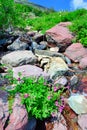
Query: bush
[(40, 99)]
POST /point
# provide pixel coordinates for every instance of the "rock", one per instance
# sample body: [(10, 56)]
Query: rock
[(75, 52), (65, 24), (4, 109), (55, 124), (55, 49), (19, 118), (34, 45), (82, 121), (82, 87), (38, 46), (74, 80), (61, 80), (29, 70), (68, 61), (78, 103), (46, 53), (18, 45), (59, 35), (59, 126), (38, 37), (31, 124), (17, 58), (83, 63), (31, 33), (44, 43), (56, 67)]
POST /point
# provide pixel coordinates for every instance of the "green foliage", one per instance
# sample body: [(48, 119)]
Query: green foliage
[(40, 99), (79, 27)]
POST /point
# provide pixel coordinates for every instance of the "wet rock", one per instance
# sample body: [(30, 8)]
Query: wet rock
[(56, 67), (76, 52), (4, 109), (59, 35), (78, 103), (19, 118), (18, 45), (29, 70), (82, 121), (17, 58)]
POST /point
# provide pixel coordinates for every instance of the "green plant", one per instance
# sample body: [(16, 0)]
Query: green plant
[(40, 99)]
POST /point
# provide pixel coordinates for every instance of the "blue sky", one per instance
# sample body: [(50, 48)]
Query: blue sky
[(62, 4)]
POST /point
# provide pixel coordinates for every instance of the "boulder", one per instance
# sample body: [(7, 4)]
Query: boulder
[(56, 67), (29, 70), (4, 109), (47, 53), (59, 35), (76, 52), (78, 103), (82, 121), (19, 118), (17, 58), (18, 45)]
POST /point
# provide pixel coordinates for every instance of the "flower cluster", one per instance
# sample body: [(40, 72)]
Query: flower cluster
[(40, 98)]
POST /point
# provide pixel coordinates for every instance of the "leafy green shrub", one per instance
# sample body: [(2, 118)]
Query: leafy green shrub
[(40, 99), (79, 27)]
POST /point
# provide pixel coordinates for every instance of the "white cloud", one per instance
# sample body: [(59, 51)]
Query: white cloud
[(75, 4)]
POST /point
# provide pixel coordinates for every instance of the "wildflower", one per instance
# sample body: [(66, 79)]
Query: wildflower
[(49, 97), (56, 103), (55, 88), (19, 79), (61, 108), (26, 95), (53, 114), (68, 87)]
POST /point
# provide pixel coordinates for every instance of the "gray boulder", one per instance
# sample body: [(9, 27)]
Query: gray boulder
[(18, 58), (18, 45)]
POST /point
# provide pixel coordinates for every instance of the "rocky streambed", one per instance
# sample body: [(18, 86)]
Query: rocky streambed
[(54, 57)]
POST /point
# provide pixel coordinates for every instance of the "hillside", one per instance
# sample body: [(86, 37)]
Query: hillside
[(25, 2), (42, 19)]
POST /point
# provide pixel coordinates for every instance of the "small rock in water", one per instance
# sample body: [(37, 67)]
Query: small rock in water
[(78, 103)]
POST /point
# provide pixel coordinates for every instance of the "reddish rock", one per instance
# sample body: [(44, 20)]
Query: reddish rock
[(82, 121), (29, 70), (83, 63), (59, 35), (76, 52), (19, 117), (64, 24), (4, 109)]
